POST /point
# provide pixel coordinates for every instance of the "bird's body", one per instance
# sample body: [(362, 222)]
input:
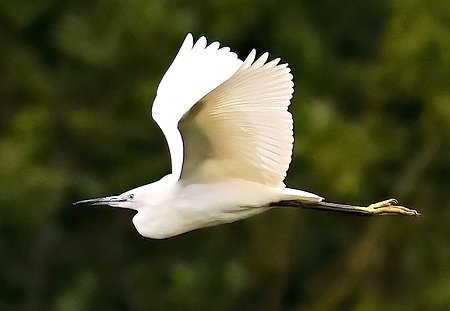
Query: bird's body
[(230, 136), (184, 207)]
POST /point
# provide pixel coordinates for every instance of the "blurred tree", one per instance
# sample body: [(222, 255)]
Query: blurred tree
[(372, 115)]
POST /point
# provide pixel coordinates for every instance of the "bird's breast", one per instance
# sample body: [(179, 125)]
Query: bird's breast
[(202, 205)]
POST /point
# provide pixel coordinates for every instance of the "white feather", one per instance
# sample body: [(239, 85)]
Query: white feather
[(242, 128), (196, 70)]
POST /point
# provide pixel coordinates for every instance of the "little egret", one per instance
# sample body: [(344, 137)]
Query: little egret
[(230, 137)]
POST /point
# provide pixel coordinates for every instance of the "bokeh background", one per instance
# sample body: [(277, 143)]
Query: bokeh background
[(372, 120)]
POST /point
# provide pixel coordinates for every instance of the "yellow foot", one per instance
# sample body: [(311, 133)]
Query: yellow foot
[(390, 207)]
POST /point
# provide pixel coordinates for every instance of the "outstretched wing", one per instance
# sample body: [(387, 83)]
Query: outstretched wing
[(241, 129), (196, 70)]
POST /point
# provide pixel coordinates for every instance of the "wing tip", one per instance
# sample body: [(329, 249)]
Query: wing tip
[(188, 40)]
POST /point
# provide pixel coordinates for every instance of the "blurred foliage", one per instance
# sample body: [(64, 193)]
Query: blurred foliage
[(372, 120)]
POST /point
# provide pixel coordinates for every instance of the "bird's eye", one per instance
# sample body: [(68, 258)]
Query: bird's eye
[(131, 196)]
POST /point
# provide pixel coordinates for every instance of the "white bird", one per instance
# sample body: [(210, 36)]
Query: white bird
[(230, 136)]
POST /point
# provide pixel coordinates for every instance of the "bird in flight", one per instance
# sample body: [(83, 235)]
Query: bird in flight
[(230, 136)]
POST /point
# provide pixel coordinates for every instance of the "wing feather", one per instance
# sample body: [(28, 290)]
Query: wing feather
[(242, 128), (196, 70)]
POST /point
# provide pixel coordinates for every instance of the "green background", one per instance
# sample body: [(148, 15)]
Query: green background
[(372, 120)]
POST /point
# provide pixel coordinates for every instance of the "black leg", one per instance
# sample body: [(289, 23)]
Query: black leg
[(380, 208)]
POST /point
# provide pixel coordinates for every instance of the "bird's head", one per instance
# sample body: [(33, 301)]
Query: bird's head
[(136, 199), (147, 200)]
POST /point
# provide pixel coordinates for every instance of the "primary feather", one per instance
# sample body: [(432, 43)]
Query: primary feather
[(196, 70)]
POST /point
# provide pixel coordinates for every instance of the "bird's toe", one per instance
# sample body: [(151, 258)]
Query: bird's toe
[(390, 207)]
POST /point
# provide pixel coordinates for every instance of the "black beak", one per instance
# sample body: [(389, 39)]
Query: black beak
[(109, 201)]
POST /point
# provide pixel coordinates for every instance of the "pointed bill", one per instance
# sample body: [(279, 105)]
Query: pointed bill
[(118, 201)]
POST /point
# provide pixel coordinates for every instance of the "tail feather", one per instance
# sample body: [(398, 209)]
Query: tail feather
[(300, 195)]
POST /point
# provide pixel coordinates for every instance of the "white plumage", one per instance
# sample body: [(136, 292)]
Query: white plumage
[(230, 136), (196, 70)]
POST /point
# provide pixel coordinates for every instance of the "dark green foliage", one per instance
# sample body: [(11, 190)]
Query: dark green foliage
[(372, 120)]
